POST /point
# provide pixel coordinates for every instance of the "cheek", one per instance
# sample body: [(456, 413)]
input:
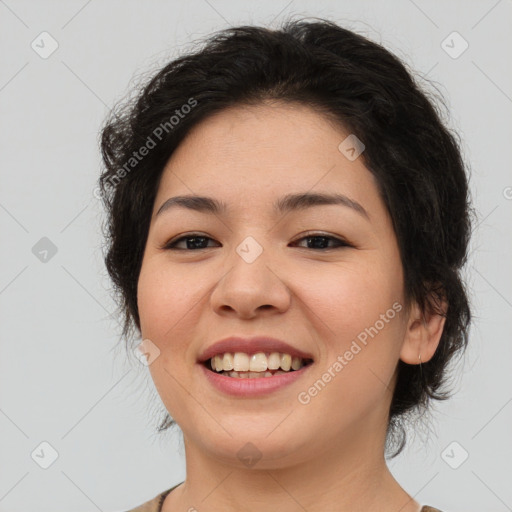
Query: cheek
[(357, 315), (357, 312), (162, 299), (171, 301), (167, 316), (350, 298)]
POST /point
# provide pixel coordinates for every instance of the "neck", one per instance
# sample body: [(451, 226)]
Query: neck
[(351, 475)]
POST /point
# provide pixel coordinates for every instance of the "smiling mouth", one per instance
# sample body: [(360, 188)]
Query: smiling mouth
[(256, 366)]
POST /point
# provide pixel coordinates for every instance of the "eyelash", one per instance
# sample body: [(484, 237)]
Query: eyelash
[(341, 243)]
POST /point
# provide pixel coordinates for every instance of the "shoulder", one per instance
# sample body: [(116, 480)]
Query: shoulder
[(154, 504)]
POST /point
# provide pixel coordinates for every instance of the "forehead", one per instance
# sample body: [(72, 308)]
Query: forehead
[(252, 153), (271, 133)]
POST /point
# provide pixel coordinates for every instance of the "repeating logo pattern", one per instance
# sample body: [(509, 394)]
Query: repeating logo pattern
[(49, 56)]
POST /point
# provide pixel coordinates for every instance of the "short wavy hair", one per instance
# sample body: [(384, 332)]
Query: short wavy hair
[(354, 82)]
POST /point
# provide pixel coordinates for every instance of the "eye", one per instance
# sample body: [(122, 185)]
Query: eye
[(319, 241), (197, 241)]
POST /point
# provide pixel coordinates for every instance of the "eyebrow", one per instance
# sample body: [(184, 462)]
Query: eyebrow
[(287, 203)]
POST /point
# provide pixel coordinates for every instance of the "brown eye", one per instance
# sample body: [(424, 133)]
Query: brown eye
[(321, 242), (193, 241)]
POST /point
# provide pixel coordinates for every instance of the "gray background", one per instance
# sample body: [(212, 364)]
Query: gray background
[(64, 378)]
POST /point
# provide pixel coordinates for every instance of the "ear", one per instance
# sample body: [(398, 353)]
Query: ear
[(423, 332)]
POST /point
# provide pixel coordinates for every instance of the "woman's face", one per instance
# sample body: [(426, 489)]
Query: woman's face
[(258, 274)]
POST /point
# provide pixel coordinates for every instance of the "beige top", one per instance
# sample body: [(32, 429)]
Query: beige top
[(155, 504)]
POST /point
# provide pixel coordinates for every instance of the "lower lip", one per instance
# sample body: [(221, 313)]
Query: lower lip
[(251, 387)]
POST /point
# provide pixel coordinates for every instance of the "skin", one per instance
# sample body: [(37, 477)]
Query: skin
[(324, 455)]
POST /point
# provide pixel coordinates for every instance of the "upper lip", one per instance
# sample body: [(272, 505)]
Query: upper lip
[(251, 346)]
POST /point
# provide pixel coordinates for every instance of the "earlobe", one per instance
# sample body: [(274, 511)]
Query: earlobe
[(423, 334)]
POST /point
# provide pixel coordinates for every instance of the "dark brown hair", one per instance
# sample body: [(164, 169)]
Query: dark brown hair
[(415, 159)]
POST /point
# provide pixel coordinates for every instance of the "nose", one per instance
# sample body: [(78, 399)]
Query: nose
[(248, 289)]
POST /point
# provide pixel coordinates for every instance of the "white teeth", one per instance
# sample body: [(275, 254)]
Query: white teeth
[(258, 362), (286, 362), (217, 363), (227, 362), (254, 375), (296, 363), (243, 365), (240, 362), (274, 361)]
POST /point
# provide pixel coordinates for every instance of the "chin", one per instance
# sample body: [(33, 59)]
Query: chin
[(264, 448)]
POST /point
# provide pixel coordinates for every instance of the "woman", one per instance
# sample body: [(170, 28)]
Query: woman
[(287, 222)]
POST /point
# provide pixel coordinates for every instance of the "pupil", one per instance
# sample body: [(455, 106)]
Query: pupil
[(315, 241), (195, 244)]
